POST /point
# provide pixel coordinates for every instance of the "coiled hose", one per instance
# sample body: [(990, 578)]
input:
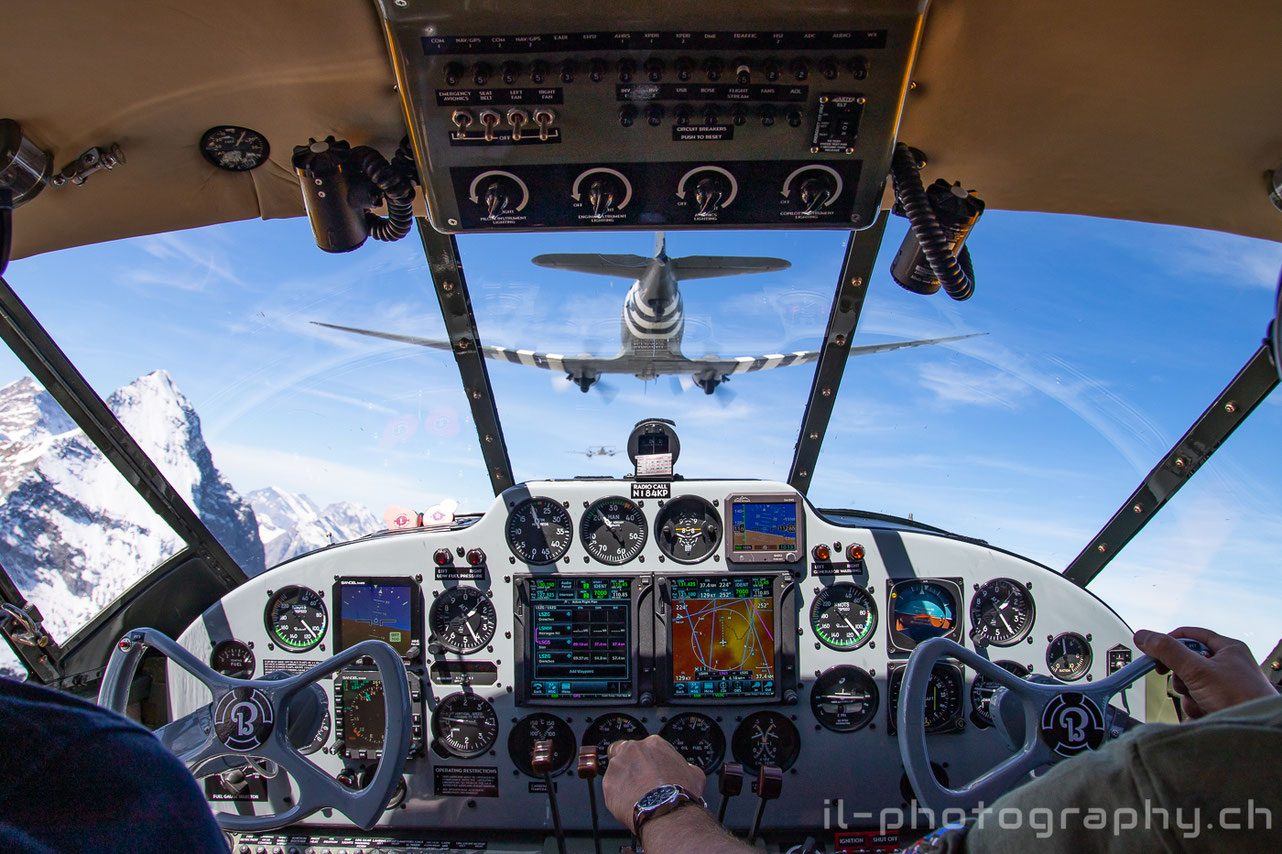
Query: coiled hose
[(954, 272), (394, 182)]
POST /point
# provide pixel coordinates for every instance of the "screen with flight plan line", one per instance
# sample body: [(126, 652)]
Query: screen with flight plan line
[(723, 637)]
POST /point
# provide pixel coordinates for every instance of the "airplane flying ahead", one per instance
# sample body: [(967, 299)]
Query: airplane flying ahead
[(653, 322)]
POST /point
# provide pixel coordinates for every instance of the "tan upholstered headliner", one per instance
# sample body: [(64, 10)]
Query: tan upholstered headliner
[(1165, 111)]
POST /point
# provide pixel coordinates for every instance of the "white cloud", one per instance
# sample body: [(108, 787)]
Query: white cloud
[(954, 384)]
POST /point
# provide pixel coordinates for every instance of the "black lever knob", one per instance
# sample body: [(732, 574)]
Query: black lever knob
[(654, 69)]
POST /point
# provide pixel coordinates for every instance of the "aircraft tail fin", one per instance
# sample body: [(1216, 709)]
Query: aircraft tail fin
[(660, 245), (713, 266)]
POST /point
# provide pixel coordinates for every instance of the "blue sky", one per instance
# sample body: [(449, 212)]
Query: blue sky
[(1105, 340)]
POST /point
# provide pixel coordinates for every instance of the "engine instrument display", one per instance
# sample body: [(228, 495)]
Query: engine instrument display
[(843, 616), (609, 728), (539, 531), (688, 529), (614, 530), (723, 637), (362, 715), (462, 619), (1001, 612), (579, 639), (923, 609), (943, 698), (385, 609), (537, 727), (764, 528), (844, 698), (697, 738), (1069, 656), (465, 725), (233, 658), (765, 738), (296, 618)]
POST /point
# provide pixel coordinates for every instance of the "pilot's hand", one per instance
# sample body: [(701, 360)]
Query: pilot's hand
[(1230, 676), (636, 767)]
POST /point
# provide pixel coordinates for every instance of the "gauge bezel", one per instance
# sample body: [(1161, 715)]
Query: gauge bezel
[(952, 585), (717, 735), (585, 540), (981, 719), (1085, 668), (736, 499), (895, 682), (866, 717), (276, 596), (223, 645), (979, 636), (825, 593), (642, 637), (452, 592), (415, 648), (710, 513), (746, 760), (206, 141), (436, 732), (507, 530), (784, 588), (521, 758)]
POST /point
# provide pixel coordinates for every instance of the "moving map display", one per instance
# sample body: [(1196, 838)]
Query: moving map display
[(723, 637), (377, 609)]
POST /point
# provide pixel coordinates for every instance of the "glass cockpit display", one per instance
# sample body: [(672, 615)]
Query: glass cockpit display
[(362, 715), (764, 528), (723, 637), (378, 609), (579, 643)]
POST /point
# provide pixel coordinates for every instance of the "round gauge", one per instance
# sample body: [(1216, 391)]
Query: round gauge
[(982, 691), (537, 727), (844, 698), (613, 530), (697, 738), (1001, 613), (689, 529), (465, 725), (843, 616), (539, 531), (234, 148), (296, 618), (610, 728), (765, 738), (462, 619), (921, 610), (320, 738), (943, 697), (233, 658), (1068, 656)]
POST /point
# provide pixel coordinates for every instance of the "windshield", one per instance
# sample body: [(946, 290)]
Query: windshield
[(1095, 345)]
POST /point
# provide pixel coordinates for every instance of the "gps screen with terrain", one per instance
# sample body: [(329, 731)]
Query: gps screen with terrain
[(723, 637)]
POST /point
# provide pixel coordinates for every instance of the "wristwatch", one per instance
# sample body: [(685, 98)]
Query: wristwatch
[(661, 800)]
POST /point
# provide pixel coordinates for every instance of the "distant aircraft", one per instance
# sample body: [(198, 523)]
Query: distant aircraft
[(653, 322), (598, 451)]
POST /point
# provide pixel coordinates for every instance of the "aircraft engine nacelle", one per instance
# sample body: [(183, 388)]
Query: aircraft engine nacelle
[(584, 380), (709, 380)]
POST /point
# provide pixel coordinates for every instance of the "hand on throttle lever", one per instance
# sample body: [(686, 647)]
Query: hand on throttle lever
[(1229, 677), (636, 767)]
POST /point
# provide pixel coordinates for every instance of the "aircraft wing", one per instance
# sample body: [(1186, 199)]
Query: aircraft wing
[(747, 364), (712, 266), (622, 266)]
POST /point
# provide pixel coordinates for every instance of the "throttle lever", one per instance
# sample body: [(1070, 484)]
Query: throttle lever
[(729, 784), (769, 787), (588, 768), (541, 763)]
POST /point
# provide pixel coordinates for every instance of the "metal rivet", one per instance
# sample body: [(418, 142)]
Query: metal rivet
[(805, 474), (840, 340), (1180, 462), (861, 100), (1230, 407), (447, 286), (1138, 508), (857, 281), (489, 438), (814, 435), (826, 392), (1101, 548)]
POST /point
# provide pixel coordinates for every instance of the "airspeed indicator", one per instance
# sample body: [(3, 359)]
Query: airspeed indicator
[(843, 616), (296, 618)]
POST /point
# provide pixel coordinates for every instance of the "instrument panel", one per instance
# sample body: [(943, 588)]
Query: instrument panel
[(731, 618)]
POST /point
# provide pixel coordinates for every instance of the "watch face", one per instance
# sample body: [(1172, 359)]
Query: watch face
[(654, 797)]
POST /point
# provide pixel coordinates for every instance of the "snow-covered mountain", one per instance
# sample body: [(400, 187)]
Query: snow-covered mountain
[(73, 533), (291, 525)]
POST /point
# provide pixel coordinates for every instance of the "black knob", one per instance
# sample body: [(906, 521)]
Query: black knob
[(682, 114), (685, 66), (654, 69), (626, 68), (538, 71), (710, 114), (739, 115), (800, 68), (481, 73), (654, 115), (596, 70), (645, 699), (712, 67), (509, 70), (794, 117), (790, 697), (568, 69), (770, 68), (627, 114), (767, 114), (453, 73), (828, 68), (858, 67)]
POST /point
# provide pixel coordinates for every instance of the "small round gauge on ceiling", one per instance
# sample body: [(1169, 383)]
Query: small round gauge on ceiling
[(233, 658), (688, 529), (843, 616), (465, 725), (609, 728), (844, 698), (539, 531), (462, 619), (614, 530), (697, 738), (1001, 612), (234, 148), (1069, 656), (296, 618)]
